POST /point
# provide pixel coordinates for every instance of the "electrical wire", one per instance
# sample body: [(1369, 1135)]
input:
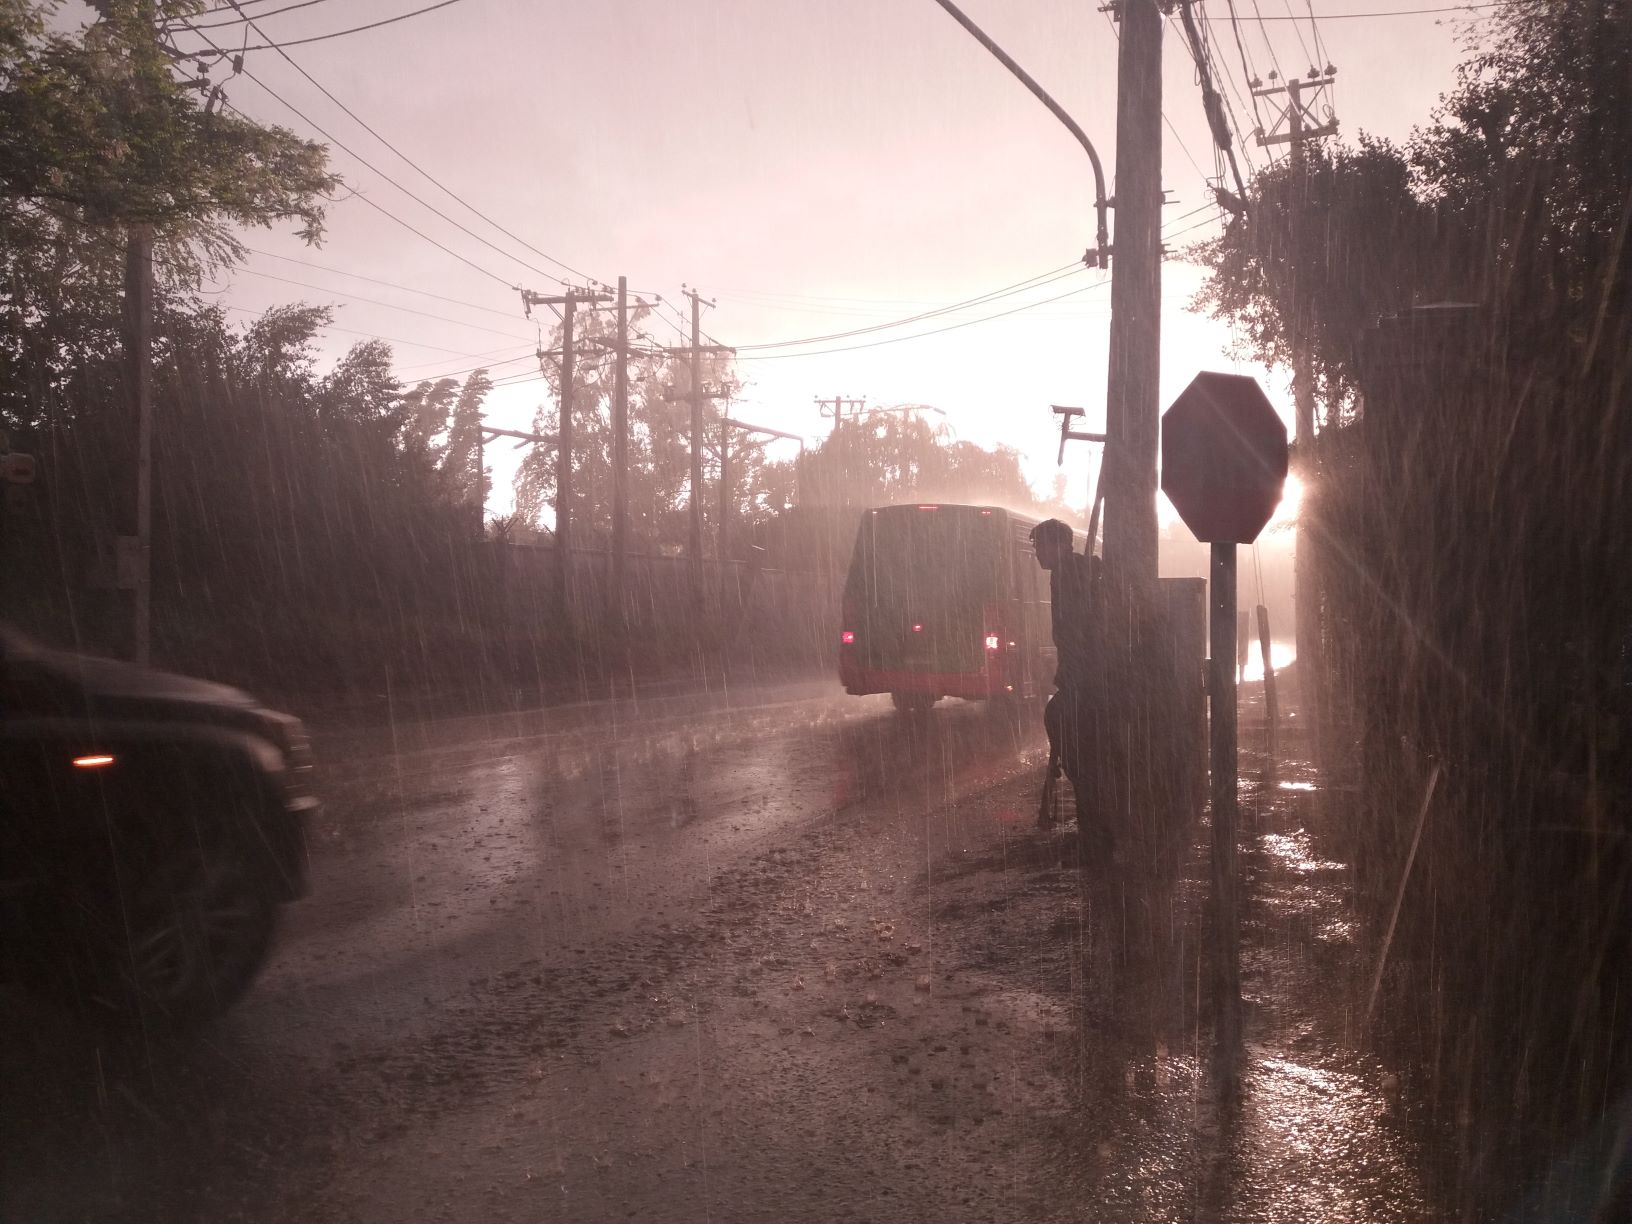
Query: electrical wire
[(935, 331), (1042, 278), (298, 113), (373, 25), (305, 263), (350, 331), (424, 314), (486, 365), (426, 174), (1419, 12), (1298, 32), (242, 17)]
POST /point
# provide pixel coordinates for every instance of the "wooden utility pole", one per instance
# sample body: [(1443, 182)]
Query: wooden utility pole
[(840, 403), (138, 346), (620, 460), (1297, 122), (1132, 408), (563, 451), (695, 395)]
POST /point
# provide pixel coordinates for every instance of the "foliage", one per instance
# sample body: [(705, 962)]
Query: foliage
[(1326, 254), (658, 472), (97, 126), (901, 456), (1468, 525)]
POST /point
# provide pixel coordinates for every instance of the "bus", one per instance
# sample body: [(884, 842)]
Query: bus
[(945, 600)]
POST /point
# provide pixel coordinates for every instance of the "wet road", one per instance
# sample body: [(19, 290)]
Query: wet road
[(487, 892), (760, 955)]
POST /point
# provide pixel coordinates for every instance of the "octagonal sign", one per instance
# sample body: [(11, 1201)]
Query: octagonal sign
[(1223, 458)]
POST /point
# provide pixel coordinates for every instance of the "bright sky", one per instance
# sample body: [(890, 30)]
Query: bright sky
[(813, 167)]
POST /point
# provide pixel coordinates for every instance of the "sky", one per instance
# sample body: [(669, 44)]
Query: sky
[(810, 167)]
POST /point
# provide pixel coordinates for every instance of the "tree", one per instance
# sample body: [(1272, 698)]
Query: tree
[(891, 457), (464, 443), (658, 474), (96, 125)]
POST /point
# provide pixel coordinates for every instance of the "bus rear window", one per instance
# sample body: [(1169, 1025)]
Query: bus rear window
[(908, 558)]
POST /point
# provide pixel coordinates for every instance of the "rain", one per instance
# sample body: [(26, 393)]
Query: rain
[(1033, 622)]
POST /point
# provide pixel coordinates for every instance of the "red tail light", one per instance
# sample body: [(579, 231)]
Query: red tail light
[(848, 637), (993, 641)]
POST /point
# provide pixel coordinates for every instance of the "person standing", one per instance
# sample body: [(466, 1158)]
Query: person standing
[(1071, 611)]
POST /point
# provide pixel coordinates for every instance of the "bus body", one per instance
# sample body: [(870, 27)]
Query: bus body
[(945, 601)]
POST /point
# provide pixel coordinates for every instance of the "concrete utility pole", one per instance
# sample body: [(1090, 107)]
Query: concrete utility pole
[(1132, 407), (1298, 121), (563, 451)]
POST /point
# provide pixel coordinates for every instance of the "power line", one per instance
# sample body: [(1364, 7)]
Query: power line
[(373, 25), (1421, 12), (424, 314), (486, 365), (1298, 32), (1042, 278), (305, 263), (241, 18), (405, 191), (370, 335), (935, 331), (426, 174), (490, 353)]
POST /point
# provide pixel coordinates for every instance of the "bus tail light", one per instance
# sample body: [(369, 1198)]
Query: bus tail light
[(848, 637)]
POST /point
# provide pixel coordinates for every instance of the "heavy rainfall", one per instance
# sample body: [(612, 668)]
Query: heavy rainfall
[(1033, 622)]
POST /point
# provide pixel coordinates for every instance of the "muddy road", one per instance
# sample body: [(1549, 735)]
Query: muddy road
[(769, 954)]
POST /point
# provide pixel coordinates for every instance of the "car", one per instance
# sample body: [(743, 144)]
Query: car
[(152, 827)]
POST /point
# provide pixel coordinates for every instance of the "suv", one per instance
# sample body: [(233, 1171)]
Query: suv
[(150, 827)]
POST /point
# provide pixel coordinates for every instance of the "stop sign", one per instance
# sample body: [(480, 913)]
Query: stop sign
[(1223, 458)]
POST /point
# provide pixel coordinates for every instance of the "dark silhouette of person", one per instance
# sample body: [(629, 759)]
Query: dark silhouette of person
[(1071, 610)]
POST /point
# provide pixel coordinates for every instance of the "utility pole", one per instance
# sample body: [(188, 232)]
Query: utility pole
[(840, 403), (620, 459), (695, 394), (134, 550), (1132, 408), (1296, 122), (563, 451), (138, 345)]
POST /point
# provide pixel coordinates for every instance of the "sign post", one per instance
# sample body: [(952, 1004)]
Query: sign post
[(1224, 462)]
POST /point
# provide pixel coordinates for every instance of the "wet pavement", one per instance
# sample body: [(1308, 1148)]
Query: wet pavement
[(762, 955)]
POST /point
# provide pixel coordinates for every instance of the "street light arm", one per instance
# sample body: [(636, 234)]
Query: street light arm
[(1101, 203)]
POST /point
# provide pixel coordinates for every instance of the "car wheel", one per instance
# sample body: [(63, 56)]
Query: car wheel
[(199, 923)]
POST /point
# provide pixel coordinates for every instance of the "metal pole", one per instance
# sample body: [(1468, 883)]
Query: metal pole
[(1221, 754), (1133, 412), (620, 455)]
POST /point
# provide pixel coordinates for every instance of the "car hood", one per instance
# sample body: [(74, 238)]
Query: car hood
[(44, 682)]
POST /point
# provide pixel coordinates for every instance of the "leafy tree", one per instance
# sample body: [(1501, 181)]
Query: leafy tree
[(97, 124), (426, 410), (891, 457), (659, 442), (458, 463)]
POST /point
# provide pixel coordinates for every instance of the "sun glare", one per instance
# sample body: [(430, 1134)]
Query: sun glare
[(1291, 500)]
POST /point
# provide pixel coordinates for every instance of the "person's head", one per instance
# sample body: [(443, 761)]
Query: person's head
[(1053, 542)]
